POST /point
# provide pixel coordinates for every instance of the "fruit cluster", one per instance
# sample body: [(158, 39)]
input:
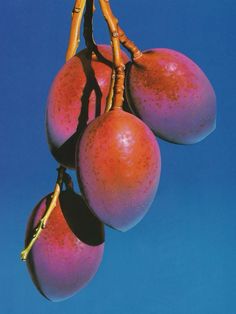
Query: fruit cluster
[(111, 144)]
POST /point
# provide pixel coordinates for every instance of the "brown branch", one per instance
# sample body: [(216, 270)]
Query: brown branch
[(43, 221), (74, 39), (129, 44), (117, 59), (110, 95), (112, 81)]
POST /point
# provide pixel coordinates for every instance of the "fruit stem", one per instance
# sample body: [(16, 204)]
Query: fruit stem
[(129, 44), (74, 39), (111, 91), (135, 54), (88, 25), (67, 180), (88, 35), (117, 59), (43, 221)]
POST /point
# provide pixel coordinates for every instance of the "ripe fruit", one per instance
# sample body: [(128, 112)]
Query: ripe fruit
[(118, 167), (172, 95), (77, 95), (69, 250)]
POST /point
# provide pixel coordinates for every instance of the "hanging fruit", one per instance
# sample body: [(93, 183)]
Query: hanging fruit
[(115, 153), (118, 159), (68, 252), (172, 95), (77, 96)]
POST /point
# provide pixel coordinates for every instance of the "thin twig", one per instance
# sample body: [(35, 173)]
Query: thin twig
[(110, 95), (117, 58), (43, 221), (129, 44), (74, 39)]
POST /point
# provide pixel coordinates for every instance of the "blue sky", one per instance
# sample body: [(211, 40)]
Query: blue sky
[(181, 258)]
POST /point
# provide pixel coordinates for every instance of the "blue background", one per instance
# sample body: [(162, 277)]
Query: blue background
[(181, 258)]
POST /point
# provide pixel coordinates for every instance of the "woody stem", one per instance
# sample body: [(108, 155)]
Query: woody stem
[(74, 39), (129, 44), (43, 221), (112, 22)]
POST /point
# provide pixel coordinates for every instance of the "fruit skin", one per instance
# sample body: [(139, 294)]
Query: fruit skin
[(118, 168), (77, 95), (172, 95), (69, 250)]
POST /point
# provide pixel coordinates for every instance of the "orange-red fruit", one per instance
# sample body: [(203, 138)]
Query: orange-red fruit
[(77, 95), (118, 167), (69, 250)]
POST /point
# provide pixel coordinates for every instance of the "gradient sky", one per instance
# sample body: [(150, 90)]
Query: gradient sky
[(181, 259)]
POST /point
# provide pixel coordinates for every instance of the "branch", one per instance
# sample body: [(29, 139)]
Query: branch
[(74, 39), (117, 59), (111, 91), (129, 45), (43, 221)]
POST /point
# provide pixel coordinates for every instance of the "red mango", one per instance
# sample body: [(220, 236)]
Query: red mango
[(69, 250), (172, 95), (77, 95), (118, 167)]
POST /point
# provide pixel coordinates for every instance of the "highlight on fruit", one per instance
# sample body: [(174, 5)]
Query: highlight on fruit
[(104, 114)]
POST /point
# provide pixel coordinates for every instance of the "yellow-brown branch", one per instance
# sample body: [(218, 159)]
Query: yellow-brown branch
[(74, 39), (111, 91), (117, 59), (43, 221), (129, 44)]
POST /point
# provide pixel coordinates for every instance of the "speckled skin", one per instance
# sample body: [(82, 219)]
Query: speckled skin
[(172, 95), (60, 263), (119, 163), (77, 95)]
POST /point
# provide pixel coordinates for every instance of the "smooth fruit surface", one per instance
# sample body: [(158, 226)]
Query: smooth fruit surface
[(118, 167), (172, 95), (77, 95), (69, 250)]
